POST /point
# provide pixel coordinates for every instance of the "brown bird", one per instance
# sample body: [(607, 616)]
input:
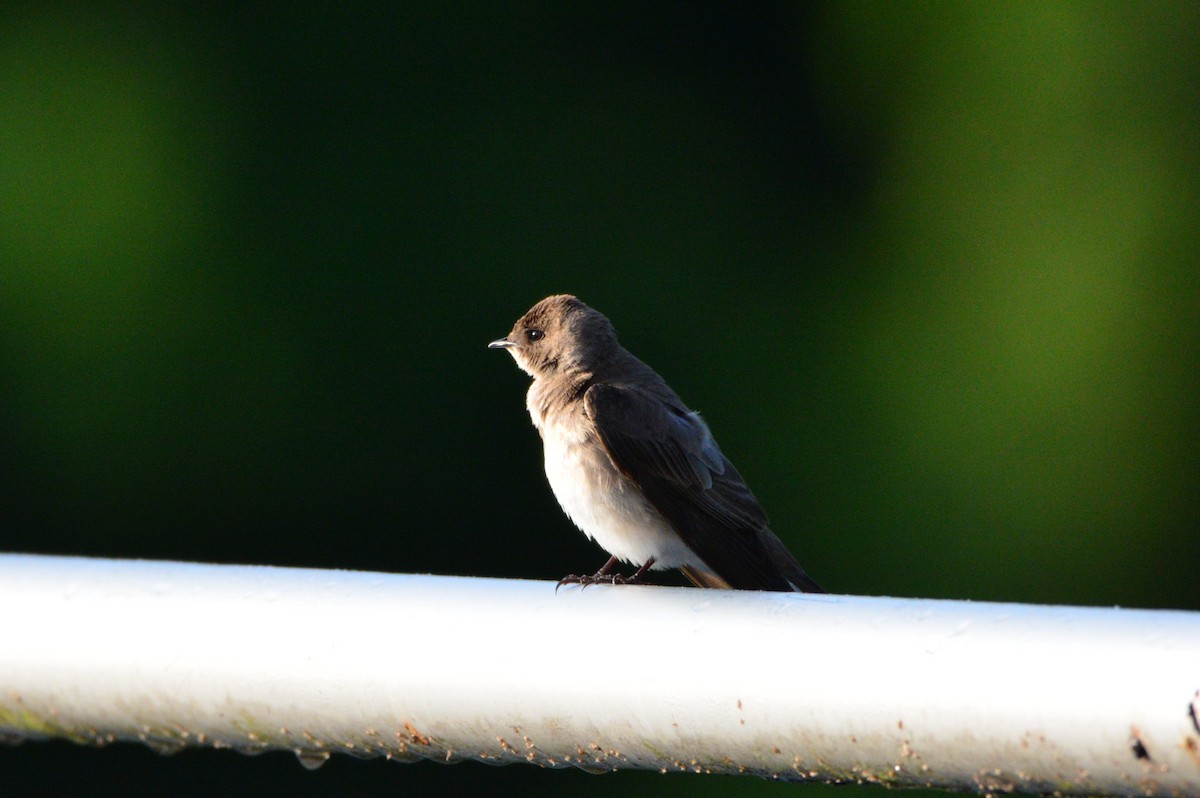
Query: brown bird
[(633, 467)]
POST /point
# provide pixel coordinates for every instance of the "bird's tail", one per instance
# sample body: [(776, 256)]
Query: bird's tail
[(802, 582), (702, 577), (789, 569)]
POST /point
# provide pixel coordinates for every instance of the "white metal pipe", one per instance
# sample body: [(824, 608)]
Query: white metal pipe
[(952, 694)]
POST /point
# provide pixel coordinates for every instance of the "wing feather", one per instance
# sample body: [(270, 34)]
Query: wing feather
[(671, 455)]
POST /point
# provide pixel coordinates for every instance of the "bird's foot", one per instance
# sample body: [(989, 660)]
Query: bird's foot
[(603, 577), (595, 579)]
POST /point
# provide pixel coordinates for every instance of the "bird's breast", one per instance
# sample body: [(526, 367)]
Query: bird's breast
[(604, 503)]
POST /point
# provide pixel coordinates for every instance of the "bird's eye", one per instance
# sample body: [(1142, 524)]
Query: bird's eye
[(534, 335)]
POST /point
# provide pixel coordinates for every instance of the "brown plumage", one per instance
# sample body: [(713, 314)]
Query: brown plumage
[(633, 466)]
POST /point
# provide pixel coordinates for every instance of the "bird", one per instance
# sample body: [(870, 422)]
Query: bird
[(633, 467)]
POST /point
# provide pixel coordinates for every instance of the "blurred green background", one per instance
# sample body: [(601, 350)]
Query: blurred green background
[(930, 271)]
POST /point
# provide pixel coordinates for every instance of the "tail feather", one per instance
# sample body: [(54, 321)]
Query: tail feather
[(788, 568), (802, 582), (704, 578)]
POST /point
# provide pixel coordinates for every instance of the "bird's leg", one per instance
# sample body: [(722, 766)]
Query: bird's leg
[(600, 576), (639, 573), (604, 575), (604, 569)]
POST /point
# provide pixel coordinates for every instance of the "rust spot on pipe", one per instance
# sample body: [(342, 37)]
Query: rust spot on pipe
[(1137, 745), (414, 735), (1193, 749)]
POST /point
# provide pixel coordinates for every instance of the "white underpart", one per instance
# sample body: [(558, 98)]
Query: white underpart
[(605, 505)]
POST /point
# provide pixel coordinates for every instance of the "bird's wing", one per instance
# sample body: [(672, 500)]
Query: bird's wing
[(670, 454)]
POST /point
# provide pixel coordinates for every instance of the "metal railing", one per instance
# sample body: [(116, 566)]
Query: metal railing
[(904, 692)]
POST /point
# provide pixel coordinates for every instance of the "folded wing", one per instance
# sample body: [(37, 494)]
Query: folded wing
[(670, 453)]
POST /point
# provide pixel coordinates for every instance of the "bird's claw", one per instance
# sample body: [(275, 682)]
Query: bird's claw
[(595, 579)]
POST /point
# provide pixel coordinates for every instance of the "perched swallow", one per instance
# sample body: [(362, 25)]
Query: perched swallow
[(633, 467)]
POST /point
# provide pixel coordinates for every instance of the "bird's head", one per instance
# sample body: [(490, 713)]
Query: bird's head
[(560, 334)]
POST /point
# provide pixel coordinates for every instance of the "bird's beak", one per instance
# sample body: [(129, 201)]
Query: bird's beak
[(502, 343)]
